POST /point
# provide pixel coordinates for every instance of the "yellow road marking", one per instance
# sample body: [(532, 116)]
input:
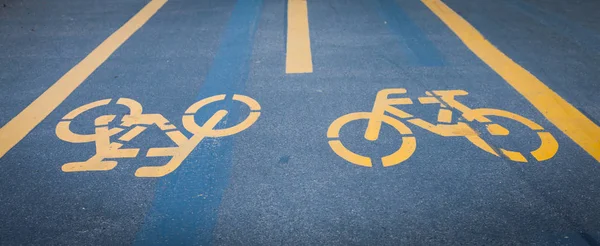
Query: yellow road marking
[(514, 155), (558, 111), (136, 122), (385, 111), (445, 116), (543, 154), (298, 56), (17, 128)]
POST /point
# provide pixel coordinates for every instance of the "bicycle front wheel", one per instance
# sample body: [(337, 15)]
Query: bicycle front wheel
[(190, 124), (548, 144)]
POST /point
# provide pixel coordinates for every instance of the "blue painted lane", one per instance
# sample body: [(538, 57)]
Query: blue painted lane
[(279, 182), (186, 203), (421, 50), (292, 189), (161, 66)]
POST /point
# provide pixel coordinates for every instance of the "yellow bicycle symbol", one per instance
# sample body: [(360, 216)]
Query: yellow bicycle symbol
[(446, 98), (136, 122)]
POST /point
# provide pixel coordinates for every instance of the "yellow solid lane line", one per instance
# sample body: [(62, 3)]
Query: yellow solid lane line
[(17, 128), (558, 111), (298, 56)]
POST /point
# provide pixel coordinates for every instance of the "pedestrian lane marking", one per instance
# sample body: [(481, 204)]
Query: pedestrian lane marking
[(557, 110), (17, 128), (298, 54)]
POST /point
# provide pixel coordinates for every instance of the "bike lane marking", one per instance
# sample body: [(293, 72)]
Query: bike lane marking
[(136, 122), (186, 202), (17, 128), (557, 110), (446, 99), (298, 54)]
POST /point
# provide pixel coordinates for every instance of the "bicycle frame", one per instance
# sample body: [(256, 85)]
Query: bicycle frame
[(383, 103)]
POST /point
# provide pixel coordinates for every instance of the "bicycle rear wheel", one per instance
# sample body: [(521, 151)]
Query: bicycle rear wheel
[(406, 149)]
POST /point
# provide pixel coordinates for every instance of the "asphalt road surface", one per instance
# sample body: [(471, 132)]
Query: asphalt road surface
[(293, 122)]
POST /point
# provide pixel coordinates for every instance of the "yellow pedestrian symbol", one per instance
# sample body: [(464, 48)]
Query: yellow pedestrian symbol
[(135, 122), (443, 127)]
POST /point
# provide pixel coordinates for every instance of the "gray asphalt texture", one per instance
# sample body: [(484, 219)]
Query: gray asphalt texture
[(286, 186)]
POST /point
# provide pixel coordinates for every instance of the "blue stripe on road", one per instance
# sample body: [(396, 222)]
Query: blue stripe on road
[(423, 51), (186, 202)]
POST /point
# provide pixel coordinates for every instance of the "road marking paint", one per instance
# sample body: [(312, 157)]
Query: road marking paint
[(169, 220), (513, 155), (557, 110), (136, 122), (385, 111), (298, 55), (17, 128), (445, 116)]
